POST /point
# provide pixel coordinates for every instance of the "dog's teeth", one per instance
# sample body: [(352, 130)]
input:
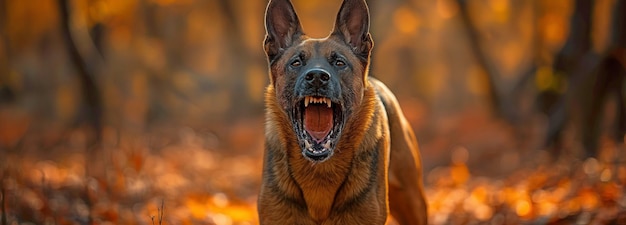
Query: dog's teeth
[(327, 144), (307, 144), (314, 100)]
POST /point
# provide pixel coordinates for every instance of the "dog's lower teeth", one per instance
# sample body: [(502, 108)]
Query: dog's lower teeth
[(327, 145)]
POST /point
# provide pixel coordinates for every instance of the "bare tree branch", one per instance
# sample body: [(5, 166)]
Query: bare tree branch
[(6, 93), (85, 71), (4, 209), (496, 100), (234, 32), (618, 38), (567, 61)]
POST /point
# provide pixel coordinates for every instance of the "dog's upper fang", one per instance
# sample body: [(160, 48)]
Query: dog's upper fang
[(317, 100)]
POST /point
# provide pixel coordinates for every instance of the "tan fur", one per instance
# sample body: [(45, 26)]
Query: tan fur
[(330, 187), (375, 168)]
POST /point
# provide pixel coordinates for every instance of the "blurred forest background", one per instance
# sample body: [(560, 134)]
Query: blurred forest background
[(151, 111)]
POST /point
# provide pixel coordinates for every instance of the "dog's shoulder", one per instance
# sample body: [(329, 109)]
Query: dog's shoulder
[(387, 98), (398, 124)]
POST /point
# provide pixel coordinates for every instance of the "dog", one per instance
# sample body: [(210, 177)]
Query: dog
[(338, 149)]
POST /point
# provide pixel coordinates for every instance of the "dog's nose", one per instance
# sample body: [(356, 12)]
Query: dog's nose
[(317, 78)]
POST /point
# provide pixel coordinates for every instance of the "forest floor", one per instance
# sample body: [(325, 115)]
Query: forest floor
[(191, 176)]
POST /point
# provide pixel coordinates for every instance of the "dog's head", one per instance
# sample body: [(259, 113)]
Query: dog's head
[(318, 83)]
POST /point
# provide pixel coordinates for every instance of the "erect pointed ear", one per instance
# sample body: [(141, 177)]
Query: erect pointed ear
[(352, 25), (282, 27)]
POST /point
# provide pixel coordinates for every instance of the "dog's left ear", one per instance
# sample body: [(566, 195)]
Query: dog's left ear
[(352, 25), (282, 27)]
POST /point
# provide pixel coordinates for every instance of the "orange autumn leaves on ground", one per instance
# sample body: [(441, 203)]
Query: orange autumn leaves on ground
[(589, 192), (202, 186), (198, 185)]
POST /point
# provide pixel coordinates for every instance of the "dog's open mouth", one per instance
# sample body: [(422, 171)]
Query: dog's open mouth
[(318, 121)]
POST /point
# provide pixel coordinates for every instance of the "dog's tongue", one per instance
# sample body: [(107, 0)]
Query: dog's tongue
[(318, 120)]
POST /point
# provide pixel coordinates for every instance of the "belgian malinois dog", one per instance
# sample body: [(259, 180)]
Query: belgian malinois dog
[(338, 149)]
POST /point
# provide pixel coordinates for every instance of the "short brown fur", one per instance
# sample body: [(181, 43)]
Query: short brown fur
[(375, 167)]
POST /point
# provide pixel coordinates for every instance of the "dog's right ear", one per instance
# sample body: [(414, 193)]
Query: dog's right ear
[(352, 26), (282, 27)]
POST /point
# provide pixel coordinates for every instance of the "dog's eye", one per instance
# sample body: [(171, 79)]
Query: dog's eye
[(296, 63), (340, 63)]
